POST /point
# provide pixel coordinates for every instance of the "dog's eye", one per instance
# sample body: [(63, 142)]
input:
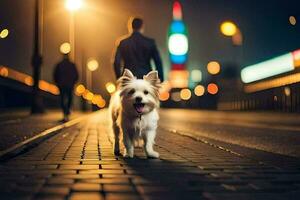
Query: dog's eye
[(146, 92), (131, 91)]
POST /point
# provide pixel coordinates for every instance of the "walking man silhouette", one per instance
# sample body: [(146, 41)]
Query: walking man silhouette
[(66, 76), (135, 52)]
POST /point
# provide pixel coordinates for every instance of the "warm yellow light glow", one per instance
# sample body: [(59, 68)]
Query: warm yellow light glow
[(228, 28), (110, 87), (4, 33), (287, 91), (179, 78), (185, 94), (3, 71), (176, 96), (73, 5), (164, 96), (212, 88), (101, 103), (92, 64), (65, 48), (213, 67), (28, 81), (89, 96), (79, 90), (277, 82), (199, 90), (97, 99), (292, 20)]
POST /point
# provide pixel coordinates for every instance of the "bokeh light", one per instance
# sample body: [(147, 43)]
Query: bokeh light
[(79, 89), (199, 90), (178, 44), (228, 28), (287, 91), (110, 87), (28, 80), (92, 64), (196, 75), (212, 88), (73, 5), (164, 96), (213, 67), (176, 96), (3, 71), (292, 20), (65, 48), (4, 33), (185, 94)]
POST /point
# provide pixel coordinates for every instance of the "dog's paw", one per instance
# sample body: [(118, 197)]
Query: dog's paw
[(153, 154)]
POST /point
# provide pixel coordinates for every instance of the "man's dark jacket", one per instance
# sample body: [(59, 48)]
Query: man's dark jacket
[(135, 53), (65, 74)]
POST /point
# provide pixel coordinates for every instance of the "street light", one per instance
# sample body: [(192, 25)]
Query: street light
[(228, 28), (73, 5)]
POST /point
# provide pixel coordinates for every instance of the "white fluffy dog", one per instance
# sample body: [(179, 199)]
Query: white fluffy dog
[(134, 112)]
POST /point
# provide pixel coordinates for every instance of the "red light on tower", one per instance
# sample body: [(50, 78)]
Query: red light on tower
[(177, 14)]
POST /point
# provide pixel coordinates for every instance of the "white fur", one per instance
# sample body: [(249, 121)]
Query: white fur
[(126, 121)]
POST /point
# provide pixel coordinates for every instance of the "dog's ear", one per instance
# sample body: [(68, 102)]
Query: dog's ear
[(125, 78), (127, 73), (153, 78)]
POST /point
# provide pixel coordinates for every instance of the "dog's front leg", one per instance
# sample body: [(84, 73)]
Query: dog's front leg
[(128, 143), (149, 137)]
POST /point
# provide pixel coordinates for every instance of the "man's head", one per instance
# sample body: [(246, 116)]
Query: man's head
[(136, 24)]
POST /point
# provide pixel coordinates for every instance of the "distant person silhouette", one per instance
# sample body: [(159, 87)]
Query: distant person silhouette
[(66, 76), (135, 52)]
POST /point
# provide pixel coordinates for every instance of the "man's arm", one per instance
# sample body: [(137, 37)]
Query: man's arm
[(117, 62), (158, 63)]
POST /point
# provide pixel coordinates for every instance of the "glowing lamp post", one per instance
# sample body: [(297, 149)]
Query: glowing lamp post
[(178, 49)]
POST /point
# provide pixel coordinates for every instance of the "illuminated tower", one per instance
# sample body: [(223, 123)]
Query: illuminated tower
[(178, 49)]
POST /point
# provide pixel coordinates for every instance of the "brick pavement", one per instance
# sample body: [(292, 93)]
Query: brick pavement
[(78, 164)]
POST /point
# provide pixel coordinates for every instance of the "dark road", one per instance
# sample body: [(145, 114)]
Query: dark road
[(271, 132)]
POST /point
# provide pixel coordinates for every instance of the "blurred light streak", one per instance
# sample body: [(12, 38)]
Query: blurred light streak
[(268, 84), (177, 14), (65, 48), (185, 94), (212, 88), (199, 90), (213, 67), (110, 87), (28, 80), (272, 67), (4, 33), (196, 75), (228, 28)]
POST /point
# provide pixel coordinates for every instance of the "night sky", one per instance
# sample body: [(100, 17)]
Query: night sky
[(263, 23)]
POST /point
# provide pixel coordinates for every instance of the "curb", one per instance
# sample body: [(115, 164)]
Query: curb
[(35, 140)]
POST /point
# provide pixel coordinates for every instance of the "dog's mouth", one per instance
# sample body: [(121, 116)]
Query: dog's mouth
[(139, 107)]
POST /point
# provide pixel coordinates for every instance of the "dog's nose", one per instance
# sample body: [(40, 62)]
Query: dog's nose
[(138, 99)]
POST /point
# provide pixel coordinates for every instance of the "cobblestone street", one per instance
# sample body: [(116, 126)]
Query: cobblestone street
[(78, 164)]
